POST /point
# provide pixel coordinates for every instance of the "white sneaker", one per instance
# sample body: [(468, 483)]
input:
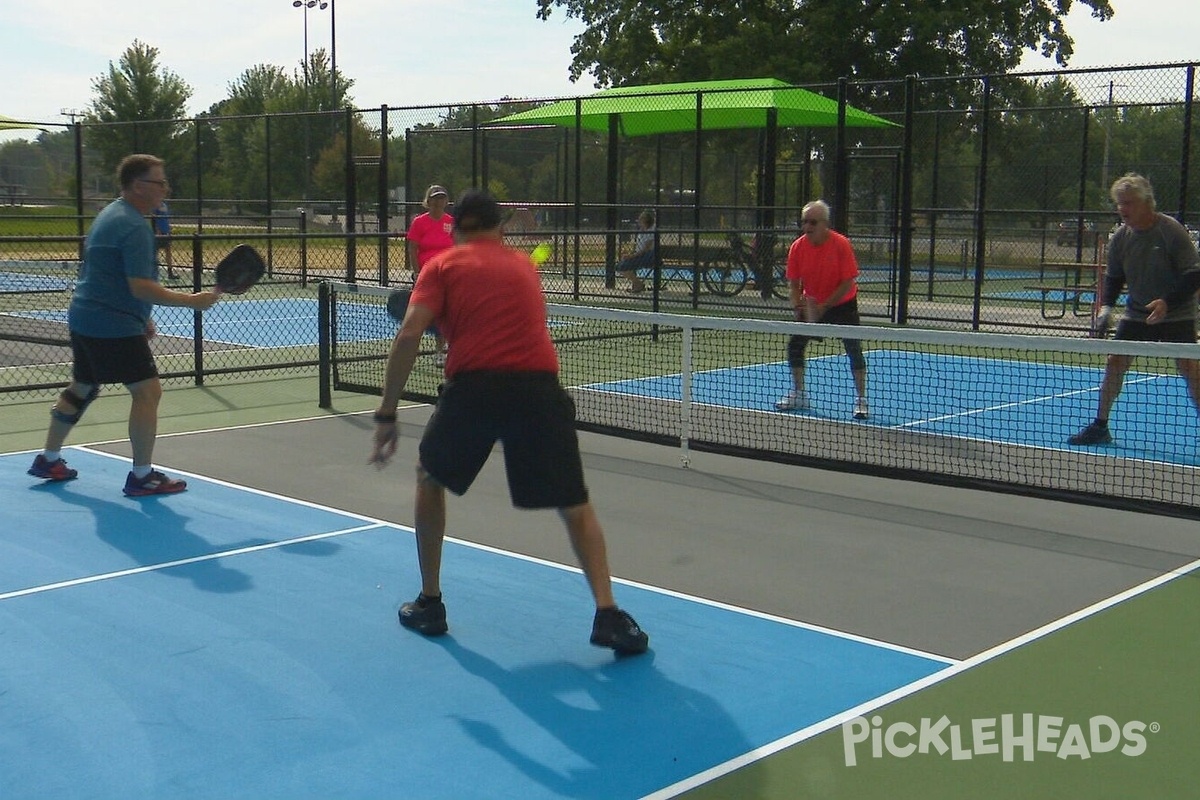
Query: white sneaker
[(792, 401), (860, 408)]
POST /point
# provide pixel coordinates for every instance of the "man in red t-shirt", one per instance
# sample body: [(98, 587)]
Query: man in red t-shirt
[(822, 273), (501, 384)]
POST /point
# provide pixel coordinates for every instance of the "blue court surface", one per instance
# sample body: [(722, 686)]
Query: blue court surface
[(1084, 296), (229, 643), (253, 323), (60, 277), (997, 400)]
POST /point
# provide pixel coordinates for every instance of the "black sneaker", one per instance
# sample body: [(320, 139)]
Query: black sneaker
[(614, 628), (425, 616), (1096, 433)]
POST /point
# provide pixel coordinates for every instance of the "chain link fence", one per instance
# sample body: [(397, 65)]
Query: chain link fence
[(979, 202)]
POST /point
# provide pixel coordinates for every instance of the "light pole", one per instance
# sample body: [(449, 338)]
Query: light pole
[(305, 5), (333, 53), (321, 5), (1108, 120)]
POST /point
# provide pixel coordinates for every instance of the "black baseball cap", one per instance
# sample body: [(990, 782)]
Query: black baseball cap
[(476, 210)]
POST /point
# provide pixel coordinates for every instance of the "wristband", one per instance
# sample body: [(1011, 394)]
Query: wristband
[(382, 417)]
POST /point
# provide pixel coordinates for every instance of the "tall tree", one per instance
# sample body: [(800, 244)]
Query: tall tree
[(150, 99), (241, 131), (24, 167), (629, 42)]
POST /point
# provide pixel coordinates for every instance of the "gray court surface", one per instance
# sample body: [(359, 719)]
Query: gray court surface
[(951, 572)]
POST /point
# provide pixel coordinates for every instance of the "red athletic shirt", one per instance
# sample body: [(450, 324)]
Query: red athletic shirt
[(820, 268), (431, 236), (487, 302)]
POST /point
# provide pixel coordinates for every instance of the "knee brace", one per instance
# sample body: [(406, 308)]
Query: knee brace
[(795, 350), (80, 404)]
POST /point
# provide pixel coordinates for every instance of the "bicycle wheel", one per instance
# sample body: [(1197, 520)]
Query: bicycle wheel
[(722, 276), (779, 284)]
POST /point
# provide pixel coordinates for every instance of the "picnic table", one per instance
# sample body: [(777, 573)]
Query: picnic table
[(1063, 286)]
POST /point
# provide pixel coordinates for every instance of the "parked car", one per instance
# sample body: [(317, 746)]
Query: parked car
[(1069, 231)]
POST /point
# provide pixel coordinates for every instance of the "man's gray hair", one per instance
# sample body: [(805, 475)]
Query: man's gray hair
[(1133, 184), (819, 205)]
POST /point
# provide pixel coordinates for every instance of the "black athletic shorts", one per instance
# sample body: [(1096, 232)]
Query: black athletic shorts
[(842, 314), (1179, 331), (533, 418), (123, 360)]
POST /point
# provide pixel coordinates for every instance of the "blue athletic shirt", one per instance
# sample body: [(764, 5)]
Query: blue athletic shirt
[(119, 246)]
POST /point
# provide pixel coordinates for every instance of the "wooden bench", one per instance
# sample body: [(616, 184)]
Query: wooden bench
[(686, 255)]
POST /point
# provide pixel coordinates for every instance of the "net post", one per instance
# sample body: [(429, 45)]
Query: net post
[(685, 398), (197, 316), (324, 329)]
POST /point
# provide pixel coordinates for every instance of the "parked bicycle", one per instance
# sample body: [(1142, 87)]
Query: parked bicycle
[(729, 274)]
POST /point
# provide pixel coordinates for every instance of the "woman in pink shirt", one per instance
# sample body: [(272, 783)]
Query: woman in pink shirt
[(429, 234)]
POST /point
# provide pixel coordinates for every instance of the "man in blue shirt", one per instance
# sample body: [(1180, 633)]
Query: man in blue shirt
[(111, 325), (160, 220)]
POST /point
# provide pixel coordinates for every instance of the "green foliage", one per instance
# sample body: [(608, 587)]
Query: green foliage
[(23, 164), (329, 173), (148, 98), (632, 42)]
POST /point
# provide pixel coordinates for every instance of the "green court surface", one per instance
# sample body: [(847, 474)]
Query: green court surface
[(1136, 663)]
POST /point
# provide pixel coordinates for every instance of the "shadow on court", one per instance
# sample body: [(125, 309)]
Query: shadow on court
[(586, 710), (152, 532)]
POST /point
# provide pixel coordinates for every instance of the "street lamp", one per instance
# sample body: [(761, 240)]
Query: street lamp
[(321, 5), (333, 53), (305, 5)]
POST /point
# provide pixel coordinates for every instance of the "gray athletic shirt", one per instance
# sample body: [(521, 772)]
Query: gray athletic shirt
[(1150, 264)]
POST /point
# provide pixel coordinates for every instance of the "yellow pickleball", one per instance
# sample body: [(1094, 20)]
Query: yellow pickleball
[(540, 253)]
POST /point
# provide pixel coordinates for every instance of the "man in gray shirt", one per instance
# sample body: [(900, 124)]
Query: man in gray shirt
[(1153, 256)]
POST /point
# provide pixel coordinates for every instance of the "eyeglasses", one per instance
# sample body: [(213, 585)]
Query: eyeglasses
[(811, 221), (164, 183)]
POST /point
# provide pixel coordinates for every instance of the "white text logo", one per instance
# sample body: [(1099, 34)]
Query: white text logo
[(1010, 737)]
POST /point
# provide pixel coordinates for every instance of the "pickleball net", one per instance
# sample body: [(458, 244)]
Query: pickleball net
[(980, 410)]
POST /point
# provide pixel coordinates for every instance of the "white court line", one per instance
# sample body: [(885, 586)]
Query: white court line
[(371, 523), (1018, 403), (717, 604), (904, 691), (47, 587), (250, 489)]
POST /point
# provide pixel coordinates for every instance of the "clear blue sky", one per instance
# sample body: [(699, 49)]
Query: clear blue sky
[(400, 52)]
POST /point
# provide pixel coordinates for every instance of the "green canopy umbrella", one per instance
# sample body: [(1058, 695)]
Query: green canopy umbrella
[(765, 104), (10, 124), (671, 108)]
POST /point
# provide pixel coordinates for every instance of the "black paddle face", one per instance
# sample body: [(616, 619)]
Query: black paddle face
[(240, 270), (397, 304)]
